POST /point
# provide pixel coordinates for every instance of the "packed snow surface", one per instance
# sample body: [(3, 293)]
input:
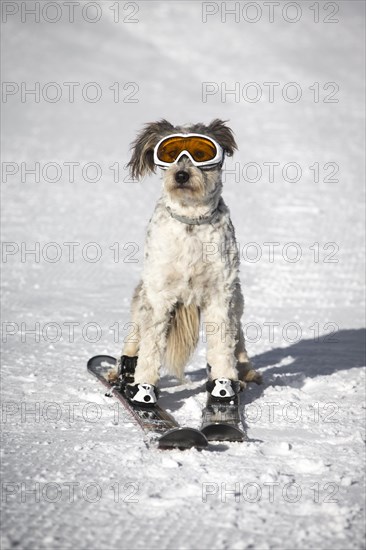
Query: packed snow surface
[(76, 472)]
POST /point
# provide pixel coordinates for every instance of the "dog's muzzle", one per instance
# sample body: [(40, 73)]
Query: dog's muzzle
[(181, 177)]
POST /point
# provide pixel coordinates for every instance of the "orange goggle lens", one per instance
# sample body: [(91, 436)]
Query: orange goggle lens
[(200, 148)]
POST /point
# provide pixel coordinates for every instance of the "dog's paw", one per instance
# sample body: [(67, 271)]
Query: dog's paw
[(246, 373)]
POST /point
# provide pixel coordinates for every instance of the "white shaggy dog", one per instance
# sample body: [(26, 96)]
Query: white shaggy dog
[(191, 263)]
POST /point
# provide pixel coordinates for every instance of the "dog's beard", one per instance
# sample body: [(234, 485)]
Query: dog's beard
[(202, 188)]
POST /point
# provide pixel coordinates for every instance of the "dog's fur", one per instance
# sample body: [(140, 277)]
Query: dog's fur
[(188, 269)]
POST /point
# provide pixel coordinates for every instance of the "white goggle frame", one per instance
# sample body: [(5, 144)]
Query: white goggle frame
[(218, 159)]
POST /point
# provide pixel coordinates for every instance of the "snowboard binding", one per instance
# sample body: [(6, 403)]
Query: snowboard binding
[(126, 370), (142, 394), (223, 389)]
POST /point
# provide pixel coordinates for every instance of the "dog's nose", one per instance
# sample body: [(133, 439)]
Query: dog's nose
[(181, 176)]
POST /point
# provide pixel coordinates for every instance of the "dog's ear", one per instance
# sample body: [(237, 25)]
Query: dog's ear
[(142, 159), (223, 135)]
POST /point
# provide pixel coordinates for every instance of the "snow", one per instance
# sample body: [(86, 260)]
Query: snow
[(75, 470)]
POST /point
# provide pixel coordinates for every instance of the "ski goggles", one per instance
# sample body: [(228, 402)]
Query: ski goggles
[(201, 150)]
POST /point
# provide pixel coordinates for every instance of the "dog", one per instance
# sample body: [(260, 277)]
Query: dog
[(191, 263)]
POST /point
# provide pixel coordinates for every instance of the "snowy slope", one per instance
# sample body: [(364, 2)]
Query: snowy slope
[(298, 483)]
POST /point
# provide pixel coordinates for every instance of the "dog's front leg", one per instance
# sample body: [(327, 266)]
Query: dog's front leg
[(154, 324), (221, 335)]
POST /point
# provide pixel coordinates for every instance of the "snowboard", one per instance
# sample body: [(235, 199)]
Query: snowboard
[(159, 426)]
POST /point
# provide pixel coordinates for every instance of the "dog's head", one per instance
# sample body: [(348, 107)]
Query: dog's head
[(184, 182)]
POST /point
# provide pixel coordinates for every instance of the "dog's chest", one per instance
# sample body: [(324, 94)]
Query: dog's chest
[(176, 244), (189, 258)]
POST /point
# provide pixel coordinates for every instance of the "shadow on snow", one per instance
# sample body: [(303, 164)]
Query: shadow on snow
[(292, 365)]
